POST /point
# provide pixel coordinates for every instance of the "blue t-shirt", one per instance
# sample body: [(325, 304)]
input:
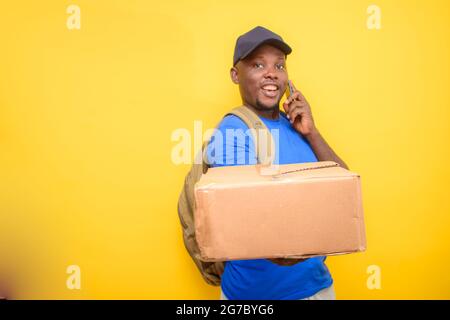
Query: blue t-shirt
[(260, 278)]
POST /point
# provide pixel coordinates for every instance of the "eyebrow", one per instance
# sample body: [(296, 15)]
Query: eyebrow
[(261, 56)]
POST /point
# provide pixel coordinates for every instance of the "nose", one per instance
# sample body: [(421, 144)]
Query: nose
[(271, 73)]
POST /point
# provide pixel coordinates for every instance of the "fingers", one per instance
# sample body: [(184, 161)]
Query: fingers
[(287, 104), (296, 96), (296, 110), (302, 97), (286, 262)]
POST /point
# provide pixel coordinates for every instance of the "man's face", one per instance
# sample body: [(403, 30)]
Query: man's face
[(262, 77)]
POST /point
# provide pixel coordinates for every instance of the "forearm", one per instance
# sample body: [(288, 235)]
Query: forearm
[(322, 150)]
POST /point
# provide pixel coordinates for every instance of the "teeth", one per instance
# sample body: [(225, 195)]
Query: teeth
[(270, 87), (270, 93)]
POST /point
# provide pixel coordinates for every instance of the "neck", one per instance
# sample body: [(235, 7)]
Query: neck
[(272, 114)]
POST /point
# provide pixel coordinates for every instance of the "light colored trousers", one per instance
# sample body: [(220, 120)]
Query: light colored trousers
[(324, 294)]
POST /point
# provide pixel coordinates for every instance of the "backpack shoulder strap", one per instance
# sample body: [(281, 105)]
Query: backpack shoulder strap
[(250, 118), (264, 144)]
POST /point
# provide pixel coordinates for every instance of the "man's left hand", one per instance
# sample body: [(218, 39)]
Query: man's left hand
[(299, 113)]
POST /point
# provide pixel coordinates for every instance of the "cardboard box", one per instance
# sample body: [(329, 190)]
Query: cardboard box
[(302, 210)]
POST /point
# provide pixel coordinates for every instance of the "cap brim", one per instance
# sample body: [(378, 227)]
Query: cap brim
[(274, 42)]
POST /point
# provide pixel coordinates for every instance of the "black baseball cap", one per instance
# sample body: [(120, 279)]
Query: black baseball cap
[(249, 41)]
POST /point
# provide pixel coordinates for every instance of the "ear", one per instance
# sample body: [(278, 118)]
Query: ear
[(234, 75)]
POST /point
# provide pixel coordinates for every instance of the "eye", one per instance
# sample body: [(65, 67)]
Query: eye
[(281, 67), (258, 65)]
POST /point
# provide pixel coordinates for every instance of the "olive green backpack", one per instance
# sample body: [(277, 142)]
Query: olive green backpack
[(212, 271)]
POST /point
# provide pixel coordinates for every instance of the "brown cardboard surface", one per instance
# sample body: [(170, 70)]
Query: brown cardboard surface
[(299, 211)]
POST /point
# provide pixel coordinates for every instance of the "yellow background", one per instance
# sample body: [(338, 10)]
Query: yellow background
[(86, 117)]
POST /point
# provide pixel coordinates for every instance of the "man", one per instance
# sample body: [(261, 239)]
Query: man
[(259, 68)]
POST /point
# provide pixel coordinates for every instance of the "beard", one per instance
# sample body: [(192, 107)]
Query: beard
[(263, 107)]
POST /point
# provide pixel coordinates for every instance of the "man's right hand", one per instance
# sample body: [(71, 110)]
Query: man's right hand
[(286, 262)]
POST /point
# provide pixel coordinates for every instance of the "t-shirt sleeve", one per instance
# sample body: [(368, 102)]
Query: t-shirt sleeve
[(231, 144)]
